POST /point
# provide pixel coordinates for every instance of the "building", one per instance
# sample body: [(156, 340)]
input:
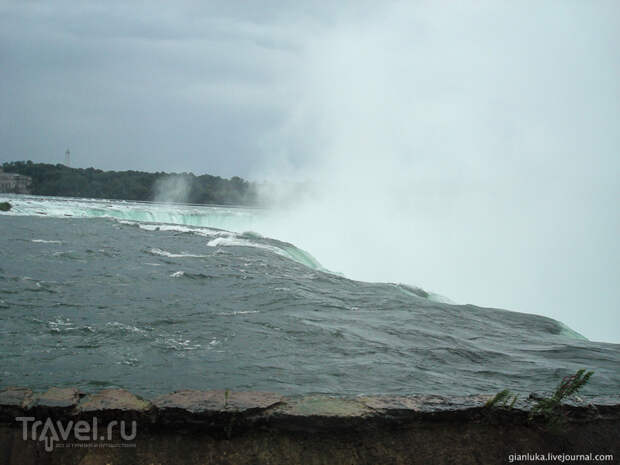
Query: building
[(14, 183)]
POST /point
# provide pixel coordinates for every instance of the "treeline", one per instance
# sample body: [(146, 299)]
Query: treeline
[(61, 180)]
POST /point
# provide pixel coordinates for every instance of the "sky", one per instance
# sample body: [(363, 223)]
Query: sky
[(471, 148)]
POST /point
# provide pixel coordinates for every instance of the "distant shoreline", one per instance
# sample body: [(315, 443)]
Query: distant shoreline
[(177, 188)]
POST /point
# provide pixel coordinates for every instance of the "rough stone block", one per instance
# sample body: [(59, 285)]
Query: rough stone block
[(63, 398), (113, 399)]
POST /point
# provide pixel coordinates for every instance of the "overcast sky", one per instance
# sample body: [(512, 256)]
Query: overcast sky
[(469, 147)]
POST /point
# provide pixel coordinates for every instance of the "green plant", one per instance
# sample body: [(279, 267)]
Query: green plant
[(502, 398), (228, 428), (549, 407)]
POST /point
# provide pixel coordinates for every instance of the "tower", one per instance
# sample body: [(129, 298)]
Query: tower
[(67, 158)]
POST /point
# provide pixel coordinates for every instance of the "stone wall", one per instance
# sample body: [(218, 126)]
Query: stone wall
[(221, 427)]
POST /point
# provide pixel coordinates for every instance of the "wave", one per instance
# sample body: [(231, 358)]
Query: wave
[(224, 226), (185, 274), (149, 226), (165, 253), (283, 249), (230, 218), (221, 227)]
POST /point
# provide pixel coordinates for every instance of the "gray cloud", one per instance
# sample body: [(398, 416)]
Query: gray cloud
[(139, 86)]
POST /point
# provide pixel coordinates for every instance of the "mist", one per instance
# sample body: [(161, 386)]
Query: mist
[(172, 189), (471, 151)]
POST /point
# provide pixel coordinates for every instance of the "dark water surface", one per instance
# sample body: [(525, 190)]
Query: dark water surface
[(96, 302)]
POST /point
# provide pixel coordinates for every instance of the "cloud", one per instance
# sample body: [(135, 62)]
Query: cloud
[(129, 85)]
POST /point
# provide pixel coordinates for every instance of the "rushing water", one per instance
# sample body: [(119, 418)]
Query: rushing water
[(154, 298)]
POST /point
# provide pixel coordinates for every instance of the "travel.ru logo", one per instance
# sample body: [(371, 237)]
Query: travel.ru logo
[(82, 431)]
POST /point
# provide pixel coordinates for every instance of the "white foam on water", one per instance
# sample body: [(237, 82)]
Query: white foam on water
[(127, 212), (165, 253), (43, 241), (124, 327), (207, 232), (177, 344), (233, 241), (440, 298), (240, 312), (223, 225)]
